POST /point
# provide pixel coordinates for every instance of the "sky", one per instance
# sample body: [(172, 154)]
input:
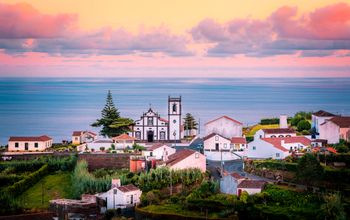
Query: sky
[(183, 38)]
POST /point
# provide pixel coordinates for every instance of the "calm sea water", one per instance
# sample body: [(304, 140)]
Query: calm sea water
[(57, 106)]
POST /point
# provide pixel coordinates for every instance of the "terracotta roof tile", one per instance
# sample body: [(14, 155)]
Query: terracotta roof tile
[(278, 130), (341, 121), (322, 113), (231, 119), (237, 176), (238, 140), (156, 146), (277, 142), (39, 138), (252, 184), (128, 188), (123, 137), (179, 156), (212, 135)]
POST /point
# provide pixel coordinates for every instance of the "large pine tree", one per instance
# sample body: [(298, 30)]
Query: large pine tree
[(190, 122), (111, 122)]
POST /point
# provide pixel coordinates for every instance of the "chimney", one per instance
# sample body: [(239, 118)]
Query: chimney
[(283, 121), (115, 183)]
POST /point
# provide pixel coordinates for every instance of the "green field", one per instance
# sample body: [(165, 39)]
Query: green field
[(252, 130), (54, 186)]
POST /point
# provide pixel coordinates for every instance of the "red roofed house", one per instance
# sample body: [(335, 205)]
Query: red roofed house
[(80, 137), (40, 143), (224, 126), (276, 148), (250, 186), (229, 183), (185, 159), (319, 118), (123, 141), (121, 196), (238, 143), (335, 129), (158, 151), (218, 147)]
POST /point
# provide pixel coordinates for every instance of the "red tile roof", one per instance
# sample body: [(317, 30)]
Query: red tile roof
[(238, 140), (77, 133), (123, 137), (163, 119), (237, 176), (322, 113), (179, 156), (231, 119), (128, 188), (278, 130), (277, 142), (252, 184), (341, 121), (329, 149), (40, 138)]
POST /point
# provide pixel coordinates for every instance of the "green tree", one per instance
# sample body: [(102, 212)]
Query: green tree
[(111, 122), (190, 122), (309, 169), (294, 121), (333, 208), (303, 125)]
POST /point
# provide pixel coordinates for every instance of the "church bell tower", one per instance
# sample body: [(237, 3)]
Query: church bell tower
[(174, 118)]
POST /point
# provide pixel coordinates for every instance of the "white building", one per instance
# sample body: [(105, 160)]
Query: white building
[(151, 127), (274, 132), (238, 143), (98, 145), (225, 126), (276, 148), (40, 143), (186, 159), (319, 118), (218, 147), (250, 186), (158, 151), (123, 141), (121, 196), (335, 129), (80, 137)]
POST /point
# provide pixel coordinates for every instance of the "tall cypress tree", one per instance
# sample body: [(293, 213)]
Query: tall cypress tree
[(111, 122), (190, 122)]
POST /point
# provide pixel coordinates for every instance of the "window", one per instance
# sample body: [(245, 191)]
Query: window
[(16, 144), (197, 155), (162, 135), (277, 154), (281, 136), (138, 134), (174, 108), (150, 121), (151, 153), (225, 145), (36, 145), (254, 148), (273, 136), (174, 121), (288, 135), (216, 138), (76, 138)]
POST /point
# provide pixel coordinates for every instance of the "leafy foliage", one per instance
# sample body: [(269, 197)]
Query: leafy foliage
[(190, 122), (269, 121), (111, 122), (303, 125), (309, 169), (333, 208)]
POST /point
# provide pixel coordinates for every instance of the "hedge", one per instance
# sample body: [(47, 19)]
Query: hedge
[(8, 179), (276, 165), (269, 121), (337, 175), (330, 158), (27, 182)]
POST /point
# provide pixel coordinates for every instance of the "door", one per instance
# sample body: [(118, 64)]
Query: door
[(132, 199), (150, 136), (26, 146), (217, 147)]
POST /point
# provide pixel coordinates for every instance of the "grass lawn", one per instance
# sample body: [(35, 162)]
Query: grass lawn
[(57, 185), (176, 209), (255, 128)]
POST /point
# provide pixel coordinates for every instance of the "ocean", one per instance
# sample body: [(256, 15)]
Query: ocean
[(58, 106)]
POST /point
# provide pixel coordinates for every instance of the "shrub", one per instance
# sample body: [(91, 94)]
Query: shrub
[(303, 125), (309, 169), (269, 121)]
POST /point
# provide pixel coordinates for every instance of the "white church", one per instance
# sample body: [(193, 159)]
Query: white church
[(153, 128)]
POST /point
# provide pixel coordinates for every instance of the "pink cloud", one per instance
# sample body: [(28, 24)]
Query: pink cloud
[(24, 21)]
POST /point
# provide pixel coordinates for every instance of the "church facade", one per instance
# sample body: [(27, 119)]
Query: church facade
[(153, 128)]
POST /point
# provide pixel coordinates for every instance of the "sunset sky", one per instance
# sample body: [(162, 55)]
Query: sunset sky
[(182, 38)]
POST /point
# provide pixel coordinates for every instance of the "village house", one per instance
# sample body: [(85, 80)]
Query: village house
[(80, 137), (229, 183), (238, 143), (218, 147), (224, 126), (276, 148), (274, 132), (158, 151), (185, 159), (98, 145), (335, 129), (251, 186), (319, 118), (39, 143), (121, 196), (123, 141)]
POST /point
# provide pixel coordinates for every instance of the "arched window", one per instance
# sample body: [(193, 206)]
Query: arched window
[(273, 136), (281, 136), (174, 107), (138, 134)]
